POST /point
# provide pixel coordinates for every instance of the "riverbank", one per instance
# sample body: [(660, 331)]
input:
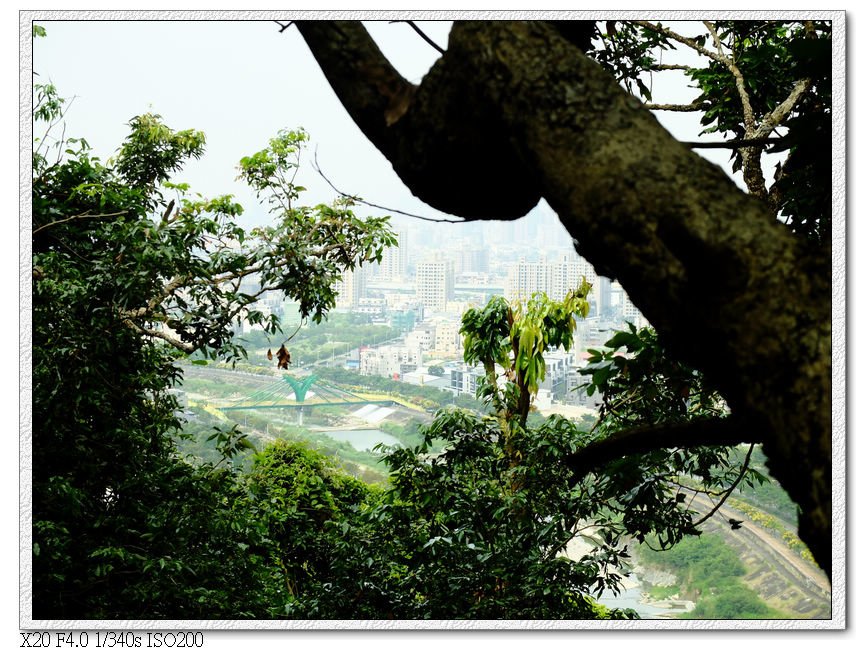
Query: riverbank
[(635, 592)]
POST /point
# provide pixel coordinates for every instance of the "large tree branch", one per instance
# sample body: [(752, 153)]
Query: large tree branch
[(730, 64), (513, 111), (780, 144), (752, 170), (707, 432), (159, 334), (442, 147), (351, 55)]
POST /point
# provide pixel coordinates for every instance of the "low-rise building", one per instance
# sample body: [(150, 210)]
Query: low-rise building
[(448, 340), (390, 360), (423, 336)]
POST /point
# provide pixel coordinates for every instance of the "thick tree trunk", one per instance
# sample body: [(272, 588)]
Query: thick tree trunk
[(512, 112)]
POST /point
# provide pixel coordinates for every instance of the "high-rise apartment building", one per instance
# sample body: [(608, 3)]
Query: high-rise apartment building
[(552, 278), (626, 309), (352, 288), (435, 284), (525, 279), (394, 260), (567, 274)]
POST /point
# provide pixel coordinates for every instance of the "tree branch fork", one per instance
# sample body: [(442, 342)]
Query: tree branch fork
[(512, 112)]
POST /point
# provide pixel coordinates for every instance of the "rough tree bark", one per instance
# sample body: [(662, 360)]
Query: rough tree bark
[(513, 112)]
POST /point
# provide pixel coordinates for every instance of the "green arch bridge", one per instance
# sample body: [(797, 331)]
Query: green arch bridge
[(294, 393)]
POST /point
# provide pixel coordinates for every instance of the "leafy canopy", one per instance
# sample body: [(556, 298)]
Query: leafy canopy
[(132, 272), (767, 81)]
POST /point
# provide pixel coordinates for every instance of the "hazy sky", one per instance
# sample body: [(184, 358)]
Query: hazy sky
[(240, 82)]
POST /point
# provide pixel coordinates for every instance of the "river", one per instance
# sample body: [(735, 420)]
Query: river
[(632, 598), (633, 587), (363, 439)]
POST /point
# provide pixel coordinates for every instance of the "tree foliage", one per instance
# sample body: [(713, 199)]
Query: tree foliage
[(514, 337), (479, 529), (640, 384), (126, 282), (763, 81), (642, 387), (497, 524)]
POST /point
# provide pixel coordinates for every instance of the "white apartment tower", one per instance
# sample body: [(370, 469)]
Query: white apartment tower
[(352, 288), (394, 260), (567, 274), (435, 284), (555, 279), (525, 279)]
